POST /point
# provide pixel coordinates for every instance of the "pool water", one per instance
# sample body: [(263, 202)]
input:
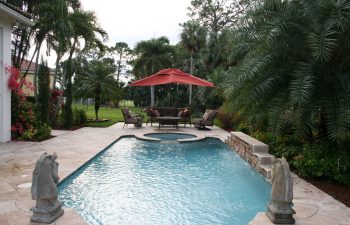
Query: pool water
[(140, 182)]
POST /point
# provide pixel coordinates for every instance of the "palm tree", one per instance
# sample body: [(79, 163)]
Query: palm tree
[(82, 27), (97, 79), (292, 62), (193, 38), (152, 55)]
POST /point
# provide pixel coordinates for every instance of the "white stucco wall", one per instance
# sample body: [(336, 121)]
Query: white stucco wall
[(5, 93)]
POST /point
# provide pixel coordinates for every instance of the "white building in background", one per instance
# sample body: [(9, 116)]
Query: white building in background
[(9, 16)]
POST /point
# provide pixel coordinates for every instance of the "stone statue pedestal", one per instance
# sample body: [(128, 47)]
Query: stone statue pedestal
[(46, 215), (280, 217), (280, 209)]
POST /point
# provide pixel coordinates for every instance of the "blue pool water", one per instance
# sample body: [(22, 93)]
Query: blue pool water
[(140, 182)]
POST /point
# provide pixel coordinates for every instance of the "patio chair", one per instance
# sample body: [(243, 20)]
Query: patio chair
[(129, 118), (152, 115), (206, 120)]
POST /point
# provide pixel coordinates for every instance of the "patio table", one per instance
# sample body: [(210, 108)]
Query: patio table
[(168, 120)]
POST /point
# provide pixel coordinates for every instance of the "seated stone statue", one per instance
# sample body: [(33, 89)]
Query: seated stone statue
[(44, 190), (280, 209)]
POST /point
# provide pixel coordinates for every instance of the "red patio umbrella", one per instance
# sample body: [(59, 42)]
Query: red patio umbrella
[(171, 75)]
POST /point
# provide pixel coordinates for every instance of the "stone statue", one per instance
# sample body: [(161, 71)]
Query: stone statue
[(280, 209), (44, 190)]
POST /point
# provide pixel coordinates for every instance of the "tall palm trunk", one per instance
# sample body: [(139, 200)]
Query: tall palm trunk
[(30, 63), (56, 71), (190, 86), (118, 71), (152, 87), (97, 104), (68, 117), (35, 79)]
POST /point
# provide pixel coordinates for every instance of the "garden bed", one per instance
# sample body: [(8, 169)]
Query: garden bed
[(337, 191)]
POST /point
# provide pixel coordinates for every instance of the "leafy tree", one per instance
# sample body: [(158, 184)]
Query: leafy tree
[(97, 80), (217, 14), (193, 37), (48, 16), (151, 56), (123, 53), (292, 63)]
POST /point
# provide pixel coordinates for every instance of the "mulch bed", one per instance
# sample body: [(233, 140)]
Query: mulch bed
[(337, 191), (75, 127), (98, 121)]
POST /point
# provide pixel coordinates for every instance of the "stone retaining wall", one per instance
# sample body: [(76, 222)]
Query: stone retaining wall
[(253, 151)]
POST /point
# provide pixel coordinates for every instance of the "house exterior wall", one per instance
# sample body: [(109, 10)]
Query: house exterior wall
[(30, 78), (5, 93)]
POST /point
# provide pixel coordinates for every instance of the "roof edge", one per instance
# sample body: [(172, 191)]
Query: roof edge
[(19, 17)]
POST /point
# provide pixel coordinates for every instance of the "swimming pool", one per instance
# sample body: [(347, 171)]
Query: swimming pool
[(140, 182)]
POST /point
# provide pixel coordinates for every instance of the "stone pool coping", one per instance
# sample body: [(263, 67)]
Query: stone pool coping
[(75, 148)]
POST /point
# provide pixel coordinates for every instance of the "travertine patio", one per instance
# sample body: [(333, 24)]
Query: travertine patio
[(74, 148)]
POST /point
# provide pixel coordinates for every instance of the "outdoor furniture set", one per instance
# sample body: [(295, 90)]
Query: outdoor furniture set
[(169, 116)]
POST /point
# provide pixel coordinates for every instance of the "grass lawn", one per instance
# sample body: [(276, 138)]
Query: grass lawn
[(113, 114)]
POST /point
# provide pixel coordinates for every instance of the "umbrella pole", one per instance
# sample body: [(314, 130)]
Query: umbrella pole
[(190, 97), (152, 95)]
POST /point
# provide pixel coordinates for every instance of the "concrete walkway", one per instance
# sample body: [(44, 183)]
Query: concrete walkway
[(74, 148)]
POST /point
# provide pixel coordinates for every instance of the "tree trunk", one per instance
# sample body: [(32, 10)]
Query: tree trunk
[(190, 86), (30, 63), (56, 71), (36, 73), (118, 71), (322, 128), (68, 119), (97, 104), (152, 88)]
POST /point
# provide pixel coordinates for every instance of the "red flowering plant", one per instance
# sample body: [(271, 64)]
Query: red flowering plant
[(22, 114)]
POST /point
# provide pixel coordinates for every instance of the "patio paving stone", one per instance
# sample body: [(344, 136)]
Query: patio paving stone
[(74, 148)]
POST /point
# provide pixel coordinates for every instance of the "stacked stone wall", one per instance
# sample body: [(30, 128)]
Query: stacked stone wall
[(251, 150)]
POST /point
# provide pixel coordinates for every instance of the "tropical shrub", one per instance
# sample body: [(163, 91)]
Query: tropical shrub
[(44, 94), (54, 106), (291, 61), (42, 132), (227, 117), (79, 116), (322, 161)]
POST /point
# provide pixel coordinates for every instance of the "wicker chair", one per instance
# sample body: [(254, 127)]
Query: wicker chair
[(206, 120), (129, 118)]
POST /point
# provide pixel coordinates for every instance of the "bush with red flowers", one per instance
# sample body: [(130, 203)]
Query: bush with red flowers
[(22, 114), (24, 124)]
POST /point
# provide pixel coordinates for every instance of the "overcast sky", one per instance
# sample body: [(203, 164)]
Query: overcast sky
[(131, 21)]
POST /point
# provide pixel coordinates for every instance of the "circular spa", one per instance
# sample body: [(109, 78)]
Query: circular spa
[(143, 182), (170, 136)]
